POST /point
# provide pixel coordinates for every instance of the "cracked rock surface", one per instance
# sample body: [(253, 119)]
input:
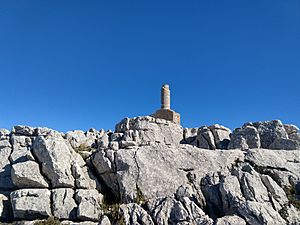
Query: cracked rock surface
[(152, 171)]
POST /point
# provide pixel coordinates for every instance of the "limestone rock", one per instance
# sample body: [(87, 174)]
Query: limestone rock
[(230, 220), (64, 206), (269, 131), (30, 203), (104, 221), (126, 169), (281, 165), (5, 167), (260, 213), (55, 157), (89, 202), (284, 143), (4, 207), (27, 175), (23, 130), (152, 129), (134, 214), (243, 138), (221, 136), (4, 134), (290, 128)]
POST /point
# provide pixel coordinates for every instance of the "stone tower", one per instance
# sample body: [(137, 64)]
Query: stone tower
[(165, 111)]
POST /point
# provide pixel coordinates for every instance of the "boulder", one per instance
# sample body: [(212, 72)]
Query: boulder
[(23, 130), (89, 202), (291, 129), (284, 143), (221, 135), (147, 129), (63, 203), (260, 213), (27, 175), (281, 165), (246, 137), (55, 157), (269, 131), (5, 167), (230, 220), (4, 207), (134, 214), (30, 203), (4, 134), (128, 170)]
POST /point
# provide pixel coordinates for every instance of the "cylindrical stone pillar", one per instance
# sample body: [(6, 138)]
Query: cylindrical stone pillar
[(165, 97)]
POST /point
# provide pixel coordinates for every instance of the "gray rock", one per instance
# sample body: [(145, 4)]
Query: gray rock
[(5, 167), (231, 194), (23, 130), (281, 165), (76, 138), (4, 207), (27, 175), (208, 136), (126, 169), (230, 220), (284, 144), (103, 141), (79, 223), (4, 134), (260, 213), (30, 203), (55, 157), (276, 192), (63, 204), (221, 136), (89, 202), (295, 136), (21, 149), (290, 128), (104, 221), (269, 131), (243, 138), (150, 130), (189, 133), (134, 214)]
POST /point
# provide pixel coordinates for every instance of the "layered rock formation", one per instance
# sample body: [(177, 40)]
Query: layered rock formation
[(152, 171)]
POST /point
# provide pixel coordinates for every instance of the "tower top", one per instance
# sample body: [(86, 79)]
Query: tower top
[(165, 111)]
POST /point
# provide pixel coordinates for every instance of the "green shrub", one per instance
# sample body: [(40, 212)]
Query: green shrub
[(291, 195), (49, 221)]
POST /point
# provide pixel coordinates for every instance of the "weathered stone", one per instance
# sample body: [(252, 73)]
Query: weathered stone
[(290, 128), (63, 204), (167, 166), (21, 149), (76, 138), (208, 136), (55, 157), (103, 141), (230, 193), (4, 134), (221, 136), (284, 144), (23, 130), (27, 175), (275, 190), (134, 214), (230, 220), (89, 202), (30, 203), (295, 136), (114, 145), (281, 165), (104, 221), (269, 131), (5, 167), (260, 213), (152, 130), (244, 138), (4, 207)]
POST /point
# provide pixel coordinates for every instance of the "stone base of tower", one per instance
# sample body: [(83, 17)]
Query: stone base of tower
[(167, 114)]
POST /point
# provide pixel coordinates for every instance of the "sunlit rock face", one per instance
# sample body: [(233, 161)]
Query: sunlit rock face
[(152, 171)]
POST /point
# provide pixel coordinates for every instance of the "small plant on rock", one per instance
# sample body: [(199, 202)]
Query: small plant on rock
[(49, 221)]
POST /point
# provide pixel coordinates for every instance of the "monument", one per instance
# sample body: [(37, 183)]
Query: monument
[(165, 111)]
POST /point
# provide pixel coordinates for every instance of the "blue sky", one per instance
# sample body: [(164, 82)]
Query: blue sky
[(80, 64)]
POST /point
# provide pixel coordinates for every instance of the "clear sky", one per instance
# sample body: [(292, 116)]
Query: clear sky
[(70, 64)]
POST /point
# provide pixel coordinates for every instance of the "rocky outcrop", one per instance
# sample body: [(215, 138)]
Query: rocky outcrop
[(152, 171)]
